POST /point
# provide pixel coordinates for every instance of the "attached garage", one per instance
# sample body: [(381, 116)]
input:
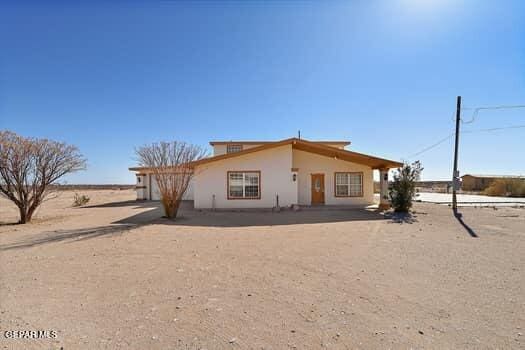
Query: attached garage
[(148, 189)]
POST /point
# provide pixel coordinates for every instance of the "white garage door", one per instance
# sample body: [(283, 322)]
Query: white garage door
[(155, 194)]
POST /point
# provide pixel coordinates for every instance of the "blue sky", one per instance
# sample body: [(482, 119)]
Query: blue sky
[(382, 74)]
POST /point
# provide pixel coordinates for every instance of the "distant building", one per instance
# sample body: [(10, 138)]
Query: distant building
[(470, 182)]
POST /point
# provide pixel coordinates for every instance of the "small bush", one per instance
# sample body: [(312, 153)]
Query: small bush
[(506, 188), (403, 188), (80, 200)]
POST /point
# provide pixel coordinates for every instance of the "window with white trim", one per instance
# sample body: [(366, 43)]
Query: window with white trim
[(232, 148), (348, 184), (244, 185)]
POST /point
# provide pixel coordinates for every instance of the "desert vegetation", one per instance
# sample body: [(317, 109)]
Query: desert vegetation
[(506, 187), (403, 188), (171, 163), (80, 200), (30, 166)]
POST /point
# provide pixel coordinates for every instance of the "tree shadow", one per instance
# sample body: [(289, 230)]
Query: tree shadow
[(459, 217), (188, 216), (2, 223), (401, 218), (71, 235), (131, 203)]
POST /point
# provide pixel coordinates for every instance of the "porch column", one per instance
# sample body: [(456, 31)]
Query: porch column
[(384, 202)]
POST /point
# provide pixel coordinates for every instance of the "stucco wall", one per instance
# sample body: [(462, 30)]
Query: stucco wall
[(155, 193), (309, 163), (276, 178), (221, 149)]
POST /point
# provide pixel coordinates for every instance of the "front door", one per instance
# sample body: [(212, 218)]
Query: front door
[(317, 188)]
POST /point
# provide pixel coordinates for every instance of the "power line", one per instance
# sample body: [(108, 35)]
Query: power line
[(434, 145), (478, 109), (431, 146), (495, 129)]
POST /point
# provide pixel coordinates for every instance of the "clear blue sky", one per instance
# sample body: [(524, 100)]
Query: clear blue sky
[(383, 74)]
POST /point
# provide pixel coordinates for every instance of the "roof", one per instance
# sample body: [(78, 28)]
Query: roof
[(307, 146), (495, 176), (334, 142)]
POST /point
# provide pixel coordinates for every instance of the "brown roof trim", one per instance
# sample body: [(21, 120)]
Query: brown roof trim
[(213, 143), (312, 147), (307, 146)]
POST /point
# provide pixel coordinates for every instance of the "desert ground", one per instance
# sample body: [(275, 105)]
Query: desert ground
[(114, 275)]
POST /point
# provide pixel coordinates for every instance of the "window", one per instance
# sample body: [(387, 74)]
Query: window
[(244, 184), (231, 148), (348, 184)]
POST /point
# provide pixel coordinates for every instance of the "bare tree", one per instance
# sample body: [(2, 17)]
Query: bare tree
[(172, 165), (28, 166)]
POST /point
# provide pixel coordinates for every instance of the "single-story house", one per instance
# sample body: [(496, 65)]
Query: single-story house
[(266, 174), (474, 182)]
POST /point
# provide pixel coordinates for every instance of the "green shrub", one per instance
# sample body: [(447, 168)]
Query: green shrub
[(506, 187), (80, 200), (403, 188)]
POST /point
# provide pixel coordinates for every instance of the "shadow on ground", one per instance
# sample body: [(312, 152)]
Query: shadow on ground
[(241, 218), (459, 217), (401, 218), (69, 235), (188, 216)]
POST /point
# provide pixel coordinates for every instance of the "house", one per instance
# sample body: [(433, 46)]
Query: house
[(262, 174), (472, 182)]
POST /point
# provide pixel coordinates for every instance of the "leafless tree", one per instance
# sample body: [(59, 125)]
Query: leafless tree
[(172, 165), (28, 166)]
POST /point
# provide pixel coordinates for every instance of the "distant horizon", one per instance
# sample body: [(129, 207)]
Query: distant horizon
[(383, 75)]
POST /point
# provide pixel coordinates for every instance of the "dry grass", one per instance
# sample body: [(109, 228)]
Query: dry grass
[(113, 275), (506, 187)]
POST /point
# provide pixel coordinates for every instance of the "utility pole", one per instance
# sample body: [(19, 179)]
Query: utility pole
[(455, 174)]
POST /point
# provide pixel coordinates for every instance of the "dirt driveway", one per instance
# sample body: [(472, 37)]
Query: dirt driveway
[(113, 276)]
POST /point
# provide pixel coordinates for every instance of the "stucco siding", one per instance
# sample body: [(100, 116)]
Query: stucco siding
[(309, 163), (222, 149), (276, 178), (155, 193)]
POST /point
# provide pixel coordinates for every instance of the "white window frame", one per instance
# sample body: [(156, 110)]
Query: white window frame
[(233, 148), (350, 186), (244, 183)]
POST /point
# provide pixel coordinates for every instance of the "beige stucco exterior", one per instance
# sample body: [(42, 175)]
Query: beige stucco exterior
[(277, 169), (309, 163), (276, 179), (147, 188), (221, 148), (285, 171)]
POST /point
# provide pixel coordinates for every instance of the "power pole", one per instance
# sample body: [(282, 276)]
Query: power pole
[(455, 175)]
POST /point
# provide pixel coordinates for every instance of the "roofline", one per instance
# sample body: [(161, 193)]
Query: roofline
[(381, 163), (294, 141), (335, 142)]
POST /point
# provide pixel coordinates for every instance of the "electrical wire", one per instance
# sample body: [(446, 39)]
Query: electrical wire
[(431, 146), (434, 145), (493, 129), (478, 109)]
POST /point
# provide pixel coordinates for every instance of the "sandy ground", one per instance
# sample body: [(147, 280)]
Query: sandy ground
[(114, 276)]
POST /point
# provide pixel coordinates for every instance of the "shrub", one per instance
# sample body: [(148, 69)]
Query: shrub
[(506, 187), (403, 188), (80, 200)]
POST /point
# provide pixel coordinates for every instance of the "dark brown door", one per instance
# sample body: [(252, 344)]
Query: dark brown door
[(317, 188)]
